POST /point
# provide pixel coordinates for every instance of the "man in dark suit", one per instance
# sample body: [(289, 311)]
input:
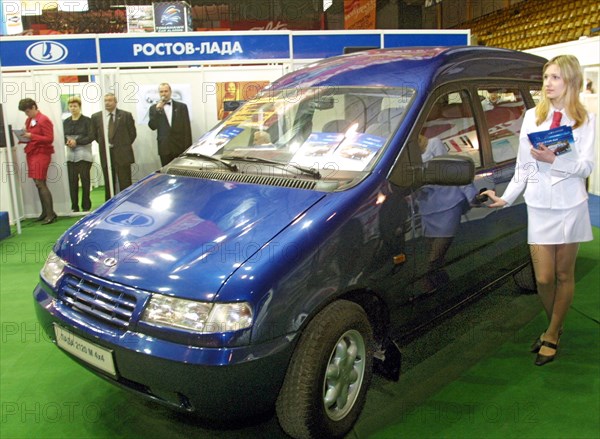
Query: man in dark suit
[(171, 121), (115, 129)]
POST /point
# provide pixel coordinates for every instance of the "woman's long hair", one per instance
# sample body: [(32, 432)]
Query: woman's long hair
[(570, 71)]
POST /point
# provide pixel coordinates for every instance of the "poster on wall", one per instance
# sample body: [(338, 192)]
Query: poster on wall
[(149, 96), (140, 18), (64, 104), (172, 17), (10, 14), (360, 14), (235, 91)]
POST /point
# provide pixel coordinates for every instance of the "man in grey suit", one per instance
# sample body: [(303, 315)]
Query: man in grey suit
[(171, 121), (114, 128)]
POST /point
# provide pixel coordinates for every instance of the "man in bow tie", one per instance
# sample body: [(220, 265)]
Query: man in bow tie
[(171, 121)]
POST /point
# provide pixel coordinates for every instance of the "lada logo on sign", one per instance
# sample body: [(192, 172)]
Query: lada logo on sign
[(46, 52)]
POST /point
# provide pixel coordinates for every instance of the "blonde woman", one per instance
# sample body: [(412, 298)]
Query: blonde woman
[(555, 194)]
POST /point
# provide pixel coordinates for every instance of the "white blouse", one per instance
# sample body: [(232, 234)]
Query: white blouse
[(559, 185)]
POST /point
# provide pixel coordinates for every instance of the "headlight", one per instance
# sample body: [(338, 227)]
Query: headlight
[(52, 269), (197, 316)]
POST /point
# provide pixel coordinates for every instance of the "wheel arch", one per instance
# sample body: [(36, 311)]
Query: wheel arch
[(375, 308)]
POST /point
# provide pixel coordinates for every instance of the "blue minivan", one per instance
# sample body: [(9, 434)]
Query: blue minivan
[(279, 260)]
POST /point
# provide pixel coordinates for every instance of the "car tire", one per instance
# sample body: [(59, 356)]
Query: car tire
[(325, 387), (525, 279)]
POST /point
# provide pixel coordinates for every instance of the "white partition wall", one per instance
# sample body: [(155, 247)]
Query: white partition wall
[(11, 198), (43, 87)]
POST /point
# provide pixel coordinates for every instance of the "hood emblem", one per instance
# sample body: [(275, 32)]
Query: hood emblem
[(130, 219), (110, 262)]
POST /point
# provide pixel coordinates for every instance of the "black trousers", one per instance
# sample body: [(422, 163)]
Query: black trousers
[(167, 158), (76, 171), (121, 177)]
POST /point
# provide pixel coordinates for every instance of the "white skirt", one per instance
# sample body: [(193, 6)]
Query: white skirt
[(559, 226)]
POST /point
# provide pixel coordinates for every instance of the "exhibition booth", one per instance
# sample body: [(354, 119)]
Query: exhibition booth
[(204, 70)]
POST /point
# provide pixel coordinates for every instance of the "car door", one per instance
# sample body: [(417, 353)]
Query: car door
[(457, 245)]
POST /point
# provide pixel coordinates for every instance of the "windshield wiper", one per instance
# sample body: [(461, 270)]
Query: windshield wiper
[(281, 165), (231, 167)]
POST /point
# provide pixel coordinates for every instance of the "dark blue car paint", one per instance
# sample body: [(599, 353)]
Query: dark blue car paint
[(191, 248), (288, 252)]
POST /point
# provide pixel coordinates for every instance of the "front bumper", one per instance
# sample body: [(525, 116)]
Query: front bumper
[(210, 382)]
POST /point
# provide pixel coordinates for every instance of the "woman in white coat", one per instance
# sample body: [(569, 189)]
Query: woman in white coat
[(555, 194)]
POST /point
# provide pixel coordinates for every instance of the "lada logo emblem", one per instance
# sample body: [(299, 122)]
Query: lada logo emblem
[(130, 219), (110, 262), (46, 52)]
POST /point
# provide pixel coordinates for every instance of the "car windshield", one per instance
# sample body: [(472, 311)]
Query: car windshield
[(317, 128)]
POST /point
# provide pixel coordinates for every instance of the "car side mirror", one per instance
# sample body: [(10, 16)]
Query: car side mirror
[(443, 170)]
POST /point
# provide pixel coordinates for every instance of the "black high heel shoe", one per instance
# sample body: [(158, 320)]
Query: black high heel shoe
[(50, 220), (537, 344), (42, 217), (540, 359)]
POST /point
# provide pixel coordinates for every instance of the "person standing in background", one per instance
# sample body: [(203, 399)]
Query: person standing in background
[(589, 87), (555, 194), (79, 154), (114, 128), (39, 131), (171, 121)]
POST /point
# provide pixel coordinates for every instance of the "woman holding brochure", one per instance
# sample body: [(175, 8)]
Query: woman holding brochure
[(555, 192), (38, 136)]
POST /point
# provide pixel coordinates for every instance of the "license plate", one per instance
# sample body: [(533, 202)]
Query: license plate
[(91, 353)]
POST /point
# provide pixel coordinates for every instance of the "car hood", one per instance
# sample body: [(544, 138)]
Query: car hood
[(180, 236)]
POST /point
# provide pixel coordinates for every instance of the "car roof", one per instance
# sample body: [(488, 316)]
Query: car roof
[(419, 67)]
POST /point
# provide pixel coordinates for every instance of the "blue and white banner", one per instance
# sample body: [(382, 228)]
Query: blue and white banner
[(48, 52), (429, 39), (193, 48), (325, 45)]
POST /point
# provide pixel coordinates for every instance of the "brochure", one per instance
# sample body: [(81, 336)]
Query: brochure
[(20, 134), (558, 140), (352, 152)]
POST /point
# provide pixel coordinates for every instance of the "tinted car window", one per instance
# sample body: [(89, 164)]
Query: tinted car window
[(503, 110), (450, 126)]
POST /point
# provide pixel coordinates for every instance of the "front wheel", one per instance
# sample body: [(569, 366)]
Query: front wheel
[(326, 384)]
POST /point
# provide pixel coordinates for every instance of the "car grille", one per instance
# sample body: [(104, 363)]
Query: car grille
[(104, 304)]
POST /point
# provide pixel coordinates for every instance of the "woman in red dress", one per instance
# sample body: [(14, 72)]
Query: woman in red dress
[(40, 132)]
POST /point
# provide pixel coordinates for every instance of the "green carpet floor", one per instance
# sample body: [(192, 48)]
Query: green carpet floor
[(480, 382)]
